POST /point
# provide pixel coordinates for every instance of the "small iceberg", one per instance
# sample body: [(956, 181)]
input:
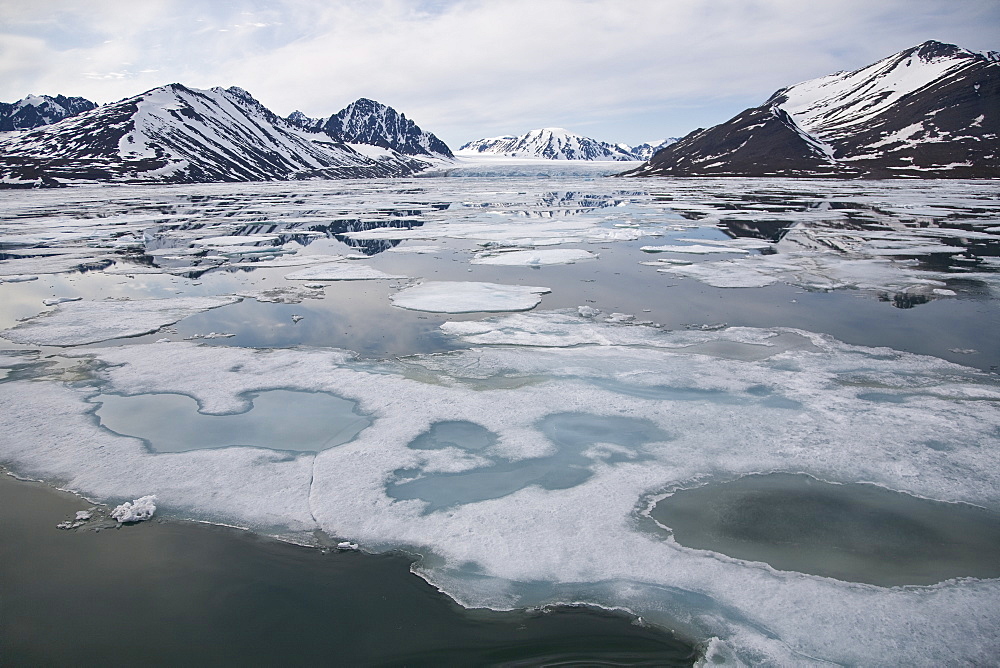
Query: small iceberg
[(138, 510)]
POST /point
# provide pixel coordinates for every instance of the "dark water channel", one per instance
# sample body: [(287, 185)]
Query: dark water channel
[(174, 593)]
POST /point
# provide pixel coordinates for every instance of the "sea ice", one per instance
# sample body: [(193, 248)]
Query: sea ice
[(694, 249), (812, 270), (534, 258), (340, 271), (295, 260), (564, 526), (81, 322), (239, 240), (419, 250), (729, 402), (468, 297)]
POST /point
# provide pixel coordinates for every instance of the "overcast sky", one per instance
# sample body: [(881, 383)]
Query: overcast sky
[(616, 70)]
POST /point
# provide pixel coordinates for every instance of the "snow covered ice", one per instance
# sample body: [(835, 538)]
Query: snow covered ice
[(78, 322), (138, 510), (531, 412), (468, 297)]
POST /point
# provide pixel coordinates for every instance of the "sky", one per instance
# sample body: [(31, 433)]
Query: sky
[(615, 70)]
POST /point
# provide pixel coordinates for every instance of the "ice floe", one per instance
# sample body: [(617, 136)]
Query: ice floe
[(419, 250), (81, 322), (816, 271), (694, 249), (60, 300), (340, 271), (534, 258), (468, 297)]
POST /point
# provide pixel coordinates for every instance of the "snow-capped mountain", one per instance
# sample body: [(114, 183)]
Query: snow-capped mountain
[(38, 110), (550, 143), (176, 134), (298, 119), (648, 149), (369, 122), (929, 111)]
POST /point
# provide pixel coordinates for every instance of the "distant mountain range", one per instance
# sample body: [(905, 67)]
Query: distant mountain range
[(931, 111), (559, 144), (175, 134), (38, 110)]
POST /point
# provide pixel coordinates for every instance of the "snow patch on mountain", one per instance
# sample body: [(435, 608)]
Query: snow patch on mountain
[(833, 105)]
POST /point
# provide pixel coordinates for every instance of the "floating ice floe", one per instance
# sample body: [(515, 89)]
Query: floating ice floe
[(124, 269), (138, 510), (285, 294), (340, 271), (812, 270), (80, 519), (534, 258), (468, 297), (693, 249), (16, 268), (210, 335), (60, 300), (82, 322), (531, 232), (746, 243), (565, 328), (419, 250), (239, 240), (288, 260)]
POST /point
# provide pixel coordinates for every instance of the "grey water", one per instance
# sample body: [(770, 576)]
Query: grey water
[(166, 593), (276, 419), (855, 532)]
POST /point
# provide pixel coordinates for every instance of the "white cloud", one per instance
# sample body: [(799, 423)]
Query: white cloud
[(623, 71)]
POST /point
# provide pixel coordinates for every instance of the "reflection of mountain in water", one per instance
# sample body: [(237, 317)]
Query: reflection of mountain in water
[(768, 230), (557, 204)]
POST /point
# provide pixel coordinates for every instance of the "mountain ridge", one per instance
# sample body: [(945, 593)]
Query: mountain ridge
[(34, 111), (176, 134), (929, 111), (549, 143), (366, 121)]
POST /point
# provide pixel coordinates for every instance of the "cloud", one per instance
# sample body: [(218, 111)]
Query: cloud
[(469, 68)]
